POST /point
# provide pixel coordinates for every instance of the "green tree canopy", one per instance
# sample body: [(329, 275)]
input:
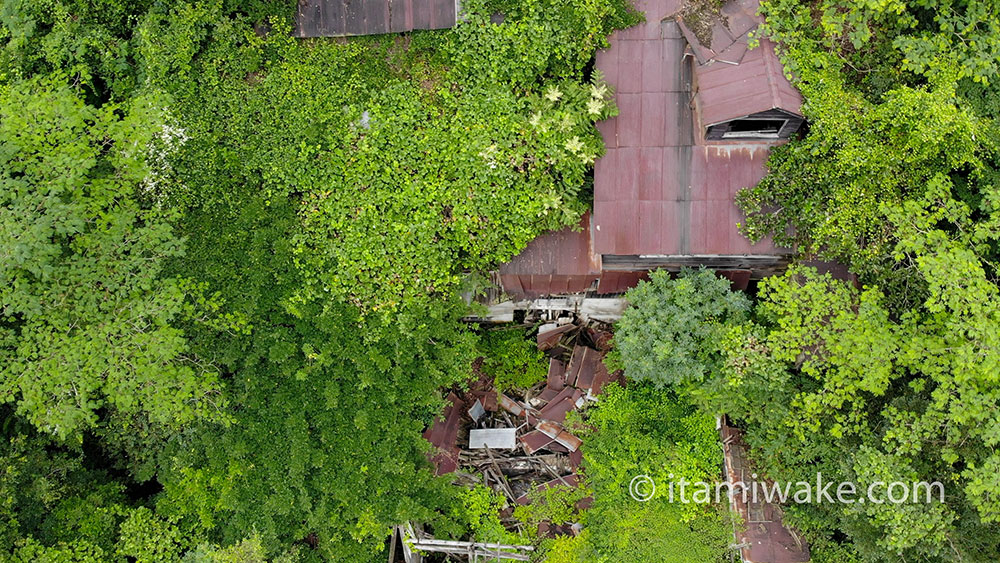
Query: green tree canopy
[(87, 320)]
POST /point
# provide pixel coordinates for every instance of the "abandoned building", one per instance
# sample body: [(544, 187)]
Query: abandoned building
[(699, 111), (699, 114)]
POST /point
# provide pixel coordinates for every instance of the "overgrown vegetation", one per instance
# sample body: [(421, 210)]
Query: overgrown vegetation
[(231, 260), (230, 263), (897, 179), (823, 368), (511, 360), (642, 430)]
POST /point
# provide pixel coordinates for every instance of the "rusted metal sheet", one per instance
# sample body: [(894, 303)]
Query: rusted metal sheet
[(549, 428), (571, 442), (557, 409), (556, 378), (659, 190), (765, 539), (756, 84), (550, 338), (337, 18), (620, 282), (443, 434), (739, 279), (601, 378), (534, 441), (554, 263), (582, 367), (548, 394), (511, 406)]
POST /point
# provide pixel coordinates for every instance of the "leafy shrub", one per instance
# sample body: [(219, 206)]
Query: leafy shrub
[(511, 359), (671, 332), (642, 430)]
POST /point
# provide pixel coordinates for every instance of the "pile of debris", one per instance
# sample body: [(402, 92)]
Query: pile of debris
[(517, 442)]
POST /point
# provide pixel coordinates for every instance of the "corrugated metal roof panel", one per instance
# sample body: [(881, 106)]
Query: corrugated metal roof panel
[(556, 262), (493, 438), (689, 209), (337, 18)]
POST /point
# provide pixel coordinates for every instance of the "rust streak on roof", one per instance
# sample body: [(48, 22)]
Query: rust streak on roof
[(561, 259)]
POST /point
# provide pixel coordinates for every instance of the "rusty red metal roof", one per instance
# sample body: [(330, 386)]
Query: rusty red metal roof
[(756, 84), (443, 434), (661, 189), (557, 262), (732, 81), (765, 538), (336, 18)]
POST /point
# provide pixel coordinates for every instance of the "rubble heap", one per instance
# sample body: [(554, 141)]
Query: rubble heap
[(516, 441)]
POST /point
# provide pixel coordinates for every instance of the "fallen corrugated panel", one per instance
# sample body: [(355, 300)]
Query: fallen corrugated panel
[(570, 441), (511, 406), (550, 339), (549, 428), (556, 447), (490, 401), (445, 461), (548, 394), (493, 438), (556, 378), (444, 430), (557, 410), (582, 366), (601, 377), (534, 441), (561, 404)]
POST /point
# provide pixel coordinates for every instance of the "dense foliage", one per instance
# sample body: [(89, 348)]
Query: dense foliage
[(642, 430), (231, 259), (824, 368), (88, 320), (896, 177), (898, 115), (511, 360), (673, 333)]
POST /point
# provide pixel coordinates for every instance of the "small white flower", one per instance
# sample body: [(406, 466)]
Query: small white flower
[(598, 91), (553, 94), (595, 106), (574, 145), (535, 119)]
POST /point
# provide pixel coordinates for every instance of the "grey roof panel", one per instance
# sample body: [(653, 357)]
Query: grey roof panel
[(338, 18)]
